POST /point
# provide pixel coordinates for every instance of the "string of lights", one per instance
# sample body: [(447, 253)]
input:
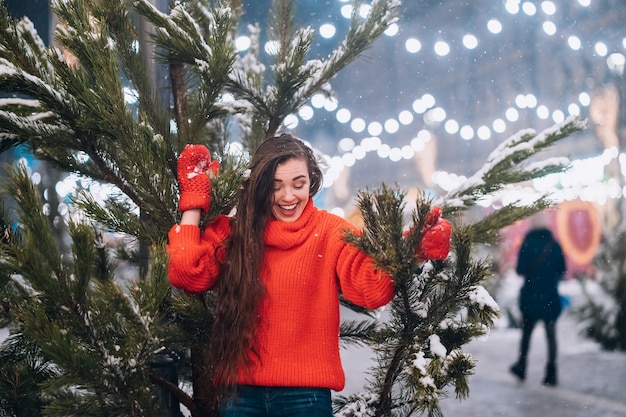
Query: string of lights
[(424, 113), (483, 44)]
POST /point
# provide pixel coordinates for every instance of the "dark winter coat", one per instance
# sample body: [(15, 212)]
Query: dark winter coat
[(542, 264)]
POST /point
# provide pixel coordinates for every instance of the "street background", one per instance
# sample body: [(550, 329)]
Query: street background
[(592, 382)]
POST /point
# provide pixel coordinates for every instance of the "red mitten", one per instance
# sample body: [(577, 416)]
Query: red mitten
[(436, 234), (194, 171)]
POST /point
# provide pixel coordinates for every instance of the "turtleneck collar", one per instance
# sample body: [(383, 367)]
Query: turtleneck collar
[(284, 235)]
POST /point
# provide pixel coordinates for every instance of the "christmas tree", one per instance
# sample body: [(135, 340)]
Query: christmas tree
[(96, 329)]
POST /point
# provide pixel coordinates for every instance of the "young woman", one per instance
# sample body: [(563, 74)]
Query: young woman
[(277, 266)]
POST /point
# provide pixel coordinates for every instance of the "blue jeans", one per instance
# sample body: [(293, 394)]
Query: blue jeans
[(253, 401)]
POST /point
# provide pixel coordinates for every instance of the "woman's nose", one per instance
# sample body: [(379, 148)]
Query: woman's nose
[(287, 193)]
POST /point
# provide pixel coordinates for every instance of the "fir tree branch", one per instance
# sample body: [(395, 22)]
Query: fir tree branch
[(296, 79), (507, 163), (358, 332)]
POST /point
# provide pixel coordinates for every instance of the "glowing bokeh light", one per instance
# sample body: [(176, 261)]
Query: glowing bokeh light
[(357, 125), (558, 116), (391, 126), (512, 6), (494, 26), (584, 98), (271, 48), (345, 145), (374, 128), (499, 126), (543, 112), (405, 117), (291, 121), (442, 48), (601, 48), (483, 133), (451, 126), (327, 30), (549, 28), (529, 8), (467, 132), (413, 45), (548, 7), (470, 41), (343, 115), (242, 43), (306, 112), (392, 30), (512, 115), (574, 42)]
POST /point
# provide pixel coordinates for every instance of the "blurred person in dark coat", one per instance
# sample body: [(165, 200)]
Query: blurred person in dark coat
[(542, 265)]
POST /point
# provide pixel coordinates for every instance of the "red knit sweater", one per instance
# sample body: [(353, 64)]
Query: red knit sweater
[(306, 263)]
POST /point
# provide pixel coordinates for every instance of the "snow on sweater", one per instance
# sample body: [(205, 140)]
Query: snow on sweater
[(307, 263)]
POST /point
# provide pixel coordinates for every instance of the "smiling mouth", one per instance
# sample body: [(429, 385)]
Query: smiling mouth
[(290, 207)]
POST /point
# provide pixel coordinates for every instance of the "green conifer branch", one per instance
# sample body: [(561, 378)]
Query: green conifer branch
[(78, 316), (298, 79)]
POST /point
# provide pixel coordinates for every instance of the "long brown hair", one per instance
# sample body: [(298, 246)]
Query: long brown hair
[(239, 288)]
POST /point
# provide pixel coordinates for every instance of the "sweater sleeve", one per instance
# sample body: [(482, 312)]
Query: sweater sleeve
[(361, 282), (194, 258)]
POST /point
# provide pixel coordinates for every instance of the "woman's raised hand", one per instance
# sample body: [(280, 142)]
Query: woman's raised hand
[(195, 170)]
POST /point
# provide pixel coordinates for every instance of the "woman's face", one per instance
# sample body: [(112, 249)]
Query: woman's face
[(291, 190)]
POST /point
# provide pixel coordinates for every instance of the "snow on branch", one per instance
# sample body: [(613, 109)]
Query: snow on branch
[(508, 164), (360, 37)]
